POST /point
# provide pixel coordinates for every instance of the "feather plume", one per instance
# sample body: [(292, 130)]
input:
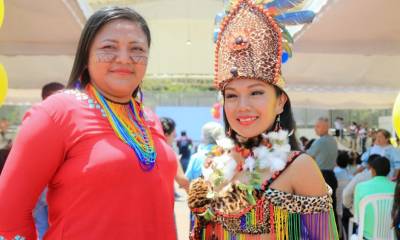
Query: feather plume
[(296, 18), (283, 5)]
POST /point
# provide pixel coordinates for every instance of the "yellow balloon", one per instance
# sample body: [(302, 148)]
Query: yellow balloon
[(396, 115), (3, 84), (1, 12)]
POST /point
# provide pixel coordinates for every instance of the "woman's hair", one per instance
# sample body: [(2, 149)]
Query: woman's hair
[(385, 133), (212, 132), (80, 73), (286, 121), (168, 125)]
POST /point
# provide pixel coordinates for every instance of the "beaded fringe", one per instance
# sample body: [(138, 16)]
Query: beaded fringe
[(285, 226)]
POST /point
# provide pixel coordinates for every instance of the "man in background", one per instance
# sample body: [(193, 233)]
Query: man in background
[(184, 144), (325, 151)]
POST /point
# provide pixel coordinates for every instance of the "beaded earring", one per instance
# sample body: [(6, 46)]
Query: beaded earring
[(278, 123), (229, 132)]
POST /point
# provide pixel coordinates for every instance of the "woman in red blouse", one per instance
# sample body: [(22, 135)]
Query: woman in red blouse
[(108, 170)]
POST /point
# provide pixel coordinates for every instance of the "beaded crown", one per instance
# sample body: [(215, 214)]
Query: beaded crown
[(253, 39)]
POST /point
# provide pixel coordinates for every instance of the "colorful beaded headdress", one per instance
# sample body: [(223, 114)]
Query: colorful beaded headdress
[(253, 38)]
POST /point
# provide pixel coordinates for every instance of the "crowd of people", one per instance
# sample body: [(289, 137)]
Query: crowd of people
[(92, 162), (354, 176)]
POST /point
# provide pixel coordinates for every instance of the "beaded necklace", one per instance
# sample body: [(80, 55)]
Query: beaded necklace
[(127, 121)]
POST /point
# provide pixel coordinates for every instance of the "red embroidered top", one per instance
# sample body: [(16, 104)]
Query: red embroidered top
[(97, 189)]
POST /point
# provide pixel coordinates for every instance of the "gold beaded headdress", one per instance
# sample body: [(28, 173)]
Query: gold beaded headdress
[(252, 39)]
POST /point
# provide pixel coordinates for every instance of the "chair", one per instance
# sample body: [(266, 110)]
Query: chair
[(382, 206)]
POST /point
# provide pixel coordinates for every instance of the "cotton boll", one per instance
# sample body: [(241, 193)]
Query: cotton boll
[(225, 143), (249, 164), (261, 152), (207, 172), (277, 164), (229, 169)]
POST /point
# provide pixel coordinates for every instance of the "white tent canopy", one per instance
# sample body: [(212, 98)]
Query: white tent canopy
[(348, 58)]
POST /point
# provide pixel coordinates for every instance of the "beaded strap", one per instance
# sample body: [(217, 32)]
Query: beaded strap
[(275, 175)]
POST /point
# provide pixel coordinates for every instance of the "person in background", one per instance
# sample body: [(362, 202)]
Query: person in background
[(4, 154), (168, 125), (184, 144), (379, 183), (339, 134), (396, 210), (348, 191), (211, 132), (40, 213), (353, 134), (383, 147), (354, 162), (325, 151), (51, 88), (343, 177), (303, 141), (363, 135), (4, 124)]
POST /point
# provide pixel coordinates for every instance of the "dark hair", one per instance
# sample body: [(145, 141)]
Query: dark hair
[(371, 158), (303, 140), (3, 157), (381, 165), (79, 72), (385, 133), (50, 88), (309, 143), (354, 158), (286, 121), (183, 133), (168, 125), (343, 159)]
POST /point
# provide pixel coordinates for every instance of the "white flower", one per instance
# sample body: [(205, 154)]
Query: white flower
[(229, 169), (219, 161), (283, 135), (262, 154), (282, 148), (249, 164), (278, 138), (277, 164), (207, 172), (225, 143), (272, 136)]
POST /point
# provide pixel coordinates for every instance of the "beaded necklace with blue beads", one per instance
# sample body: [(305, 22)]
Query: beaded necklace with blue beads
[(128, 122)]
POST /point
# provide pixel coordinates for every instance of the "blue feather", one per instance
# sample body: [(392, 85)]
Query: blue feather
[(295, 18), (283, 4)]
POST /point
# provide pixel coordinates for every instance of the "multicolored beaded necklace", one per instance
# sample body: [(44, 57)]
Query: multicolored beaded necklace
[(127, 121)]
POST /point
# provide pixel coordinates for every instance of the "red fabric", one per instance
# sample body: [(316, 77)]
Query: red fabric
[(97, 189)]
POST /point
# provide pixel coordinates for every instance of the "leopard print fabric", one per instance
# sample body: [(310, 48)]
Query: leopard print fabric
[(232, 204), (287, 201), (299, 204), (249, 47)]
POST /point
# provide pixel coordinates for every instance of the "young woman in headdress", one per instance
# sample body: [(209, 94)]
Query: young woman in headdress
[(258, 186)]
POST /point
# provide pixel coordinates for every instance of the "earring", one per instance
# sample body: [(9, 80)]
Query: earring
[(229, 132), (278, 123)]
